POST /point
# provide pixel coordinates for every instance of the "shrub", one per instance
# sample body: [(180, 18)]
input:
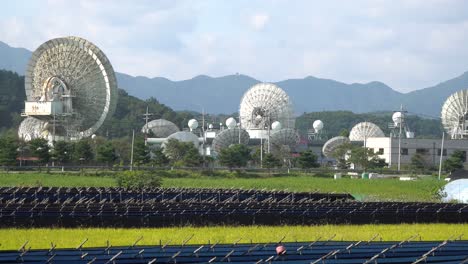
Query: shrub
[(138, 179)]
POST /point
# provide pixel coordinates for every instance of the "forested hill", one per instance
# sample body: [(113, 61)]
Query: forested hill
[(128, 114), (336, 121), (11, 99), (130, 110)]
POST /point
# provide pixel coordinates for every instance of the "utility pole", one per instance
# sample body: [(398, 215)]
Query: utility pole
[(441, 154), (269, 126), (402, 121), (146, 118), (131, 154)]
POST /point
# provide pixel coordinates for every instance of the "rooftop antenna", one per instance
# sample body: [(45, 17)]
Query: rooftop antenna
[(146, 118)]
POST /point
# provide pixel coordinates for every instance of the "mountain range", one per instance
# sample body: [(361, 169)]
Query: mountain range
[(310, 94)]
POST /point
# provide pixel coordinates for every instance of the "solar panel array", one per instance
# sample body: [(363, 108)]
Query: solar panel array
[(449, 251), (117, 207)]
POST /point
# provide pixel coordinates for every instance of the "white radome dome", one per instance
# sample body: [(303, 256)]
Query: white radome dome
[(396, 118), (276, 126), (231, 123), (193, 124), (317, 125)]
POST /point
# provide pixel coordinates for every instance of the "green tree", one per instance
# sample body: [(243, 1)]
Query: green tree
[(106, 153), (175, 149), (158, 158), (344, 132), (340, 154), (192, 157), (377, 162), (237, 155), (270, 161), (40, 148), (182, 153), (256, 156), (62, 151), (365, 158), (308, 160), (418, 162), (141, 152), (8, 151), (455, 161), (138, 179), (82, 151)]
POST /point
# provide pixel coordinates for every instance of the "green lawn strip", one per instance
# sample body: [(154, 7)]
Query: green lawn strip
[(12, 239), (54, 180), (366, 190)]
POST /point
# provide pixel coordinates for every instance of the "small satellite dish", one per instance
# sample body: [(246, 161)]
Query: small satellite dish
[(231, 123), (193, 124), (397, 118), (276, 126), (317, 125), (93, 136)]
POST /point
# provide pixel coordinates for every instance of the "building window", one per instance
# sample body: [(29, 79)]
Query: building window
[(404, 151), (381, 151), (443, 154), (421, 151)]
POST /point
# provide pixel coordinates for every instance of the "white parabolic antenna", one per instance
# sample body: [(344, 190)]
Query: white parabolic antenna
[(284, 137), (317, 125), (455, 115), (397, 118), (161, 128), (184, 136), (193, 124), (330, 146), (364, 130), (231, 123), (228, 137), (276, 126), (263, 104), (72, 80)]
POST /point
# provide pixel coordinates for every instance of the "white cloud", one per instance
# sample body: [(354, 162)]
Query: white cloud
[(259, 21), (406, 44)]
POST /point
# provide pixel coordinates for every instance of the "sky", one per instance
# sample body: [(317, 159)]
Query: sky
[(407, 44)]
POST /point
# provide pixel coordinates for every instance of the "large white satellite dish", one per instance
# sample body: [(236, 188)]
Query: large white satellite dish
[(161, 128), (364, 130), (284, 137), (71, 81), (228, 137), (263, 104), (330, 146), (455, 115)]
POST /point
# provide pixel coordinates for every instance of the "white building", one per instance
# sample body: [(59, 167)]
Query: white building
[(387, 148)]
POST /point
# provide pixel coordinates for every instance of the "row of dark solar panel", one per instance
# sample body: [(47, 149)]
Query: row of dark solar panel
[(175, 214), (450, 251), (151, 195)]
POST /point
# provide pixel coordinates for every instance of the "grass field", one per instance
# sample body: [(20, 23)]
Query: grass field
[(12, 239), (54, 180), (368, 190)]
